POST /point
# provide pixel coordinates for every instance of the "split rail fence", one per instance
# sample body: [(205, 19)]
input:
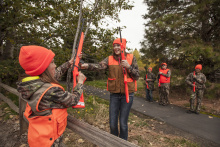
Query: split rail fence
[(87, 131)]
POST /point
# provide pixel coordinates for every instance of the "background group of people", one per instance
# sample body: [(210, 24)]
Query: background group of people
[(196, 80)]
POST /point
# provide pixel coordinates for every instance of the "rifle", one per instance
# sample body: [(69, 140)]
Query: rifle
[(124, 70), (159, 79), (75, 70), (194, 83), (147, 82)]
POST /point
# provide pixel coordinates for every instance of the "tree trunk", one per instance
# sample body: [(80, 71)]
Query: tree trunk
[(9, 50)]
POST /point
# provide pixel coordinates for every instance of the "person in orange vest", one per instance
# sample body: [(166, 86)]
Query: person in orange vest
[(47, 101), (196, 80), (149, 81), (115, 85), (164, 84)]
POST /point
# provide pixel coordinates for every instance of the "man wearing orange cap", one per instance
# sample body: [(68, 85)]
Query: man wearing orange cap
[(119, 109), (196, 80), (149, 81), (164, 84)]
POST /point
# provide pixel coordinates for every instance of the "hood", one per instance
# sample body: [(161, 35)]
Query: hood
[(28, 88)]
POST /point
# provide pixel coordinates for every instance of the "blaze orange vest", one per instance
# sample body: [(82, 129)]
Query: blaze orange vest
[(44, 129), (115, 82), (164, 79)]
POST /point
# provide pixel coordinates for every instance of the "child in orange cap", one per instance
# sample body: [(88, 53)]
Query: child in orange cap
[(196, 80), (47, 101), (115, 85)]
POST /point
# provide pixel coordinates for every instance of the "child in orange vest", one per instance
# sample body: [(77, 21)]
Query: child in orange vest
[(115, 85), (164, 84), (47, 101)]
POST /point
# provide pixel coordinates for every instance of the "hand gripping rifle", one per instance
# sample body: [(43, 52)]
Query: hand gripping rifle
[(124, 70), (81, 103)]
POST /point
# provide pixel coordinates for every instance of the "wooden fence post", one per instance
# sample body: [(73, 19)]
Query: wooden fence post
[(22, 122)]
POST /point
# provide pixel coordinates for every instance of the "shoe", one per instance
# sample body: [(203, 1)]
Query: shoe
[(189, 111), (196, 112), (165, 104)]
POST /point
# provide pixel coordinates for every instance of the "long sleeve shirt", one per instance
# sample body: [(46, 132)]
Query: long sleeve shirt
[(55, 97), (133, 71)]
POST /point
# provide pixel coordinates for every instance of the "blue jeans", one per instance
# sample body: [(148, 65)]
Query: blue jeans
[(149, 95), (119, 108)]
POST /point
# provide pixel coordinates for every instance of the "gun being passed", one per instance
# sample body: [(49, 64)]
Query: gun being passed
[(81, 103), (123, 41)]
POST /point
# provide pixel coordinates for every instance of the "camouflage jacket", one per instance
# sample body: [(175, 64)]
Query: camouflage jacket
[(133, 71), (199, 80), (150, 83), (55, 97)]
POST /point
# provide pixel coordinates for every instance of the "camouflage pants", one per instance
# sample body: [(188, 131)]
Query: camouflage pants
[(58, 142), (164, 94), (199, 95)]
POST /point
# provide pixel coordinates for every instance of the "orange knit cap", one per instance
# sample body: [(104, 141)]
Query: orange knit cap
[(150, 68), (163, 64), (35, 59), (199, 66), (118, 41)]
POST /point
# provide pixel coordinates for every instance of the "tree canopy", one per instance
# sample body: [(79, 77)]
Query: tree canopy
[(183, 33), (53, 24)]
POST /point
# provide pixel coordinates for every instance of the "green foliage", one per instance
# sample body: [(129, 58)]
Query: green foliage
[(97, 83), (183, 34), (181, 142), (53, 24), (92, 105), (212, 91), (10, 71), (141, 64)]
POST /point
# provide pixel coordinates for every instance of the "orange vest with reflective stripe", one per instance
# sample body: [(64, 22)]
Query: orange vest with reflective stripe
[(164, 79), (44, 130), (115, 82)]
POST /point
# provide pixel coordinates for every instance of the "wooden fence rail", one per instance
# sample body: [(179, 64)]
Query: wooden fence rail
[(87, 131)]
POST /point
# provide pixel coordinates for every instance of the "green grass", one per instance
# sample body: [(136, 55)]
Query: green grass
[(97, 83), (180, 142)]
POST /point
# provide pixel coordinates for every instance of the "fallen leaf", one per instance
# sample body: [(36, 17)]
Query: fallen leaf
[(135, 142), (80, 141), (23, 145)]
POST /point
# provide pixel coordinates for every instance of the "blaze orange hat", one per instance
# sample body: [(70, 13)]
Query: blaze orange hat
[(199, 66), (118, 41), (35, 59), (163, 64), (150, 68)]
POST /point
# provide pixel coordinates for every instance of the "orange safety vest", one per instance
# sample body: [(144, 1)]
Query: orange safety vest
[(115, 82), (164, 79), (44, 130)]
